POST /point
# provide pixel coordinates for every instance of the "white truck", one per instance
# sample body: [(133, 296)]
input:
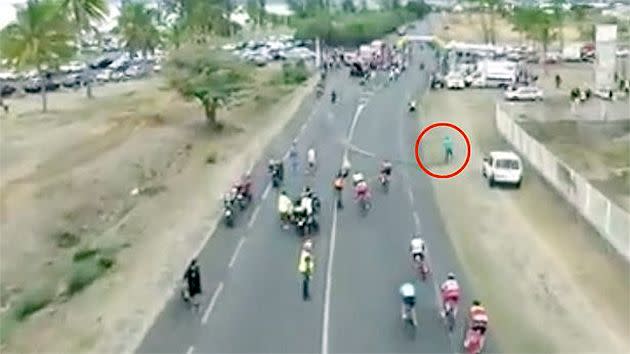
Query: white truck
[(492, 74), (572, 53)]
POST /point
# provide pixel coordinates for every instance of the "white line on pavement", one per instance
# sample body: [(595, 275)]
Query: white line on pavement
[(329, 267), (215, 296), (190, 350), (238, 248), (331, 249), (266, 192), (416, 220), (410, 194), (254, 216)]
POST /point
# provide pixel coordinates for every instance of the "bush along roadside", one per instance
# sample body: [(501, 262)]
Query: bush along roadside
[(356, 28), (85, 267)]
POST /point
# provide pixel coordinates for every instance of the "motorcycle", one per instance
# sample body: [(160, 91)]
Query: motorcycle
[(275, 178), (384, 180), (228, 216)]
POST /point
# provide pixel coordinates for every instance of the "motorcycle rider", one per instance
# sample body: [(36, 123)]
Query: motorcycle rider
[(276, 168), (450, 292), (408, 293), (193, 281), (362, 190), (417, 247), (386, 170), (285, 207)]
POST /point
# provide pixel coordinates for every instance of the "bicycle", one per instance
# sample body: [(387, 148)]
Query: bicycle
[(409, 320), (450, 311)]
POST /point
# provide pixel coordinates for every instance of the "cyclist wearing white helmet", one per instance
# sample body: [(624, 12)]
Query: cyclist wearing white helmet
[(417, 249), (450, 291)]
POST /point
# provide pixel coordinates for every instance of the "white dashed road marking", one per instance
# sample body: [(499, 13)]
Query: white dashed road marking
[(266, 192), (213, 301), (254, 216), (238, 248), (190, 350)]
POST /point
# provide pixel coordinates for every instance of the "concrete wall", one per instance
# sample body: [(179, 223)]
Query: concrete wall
[(610, 220)]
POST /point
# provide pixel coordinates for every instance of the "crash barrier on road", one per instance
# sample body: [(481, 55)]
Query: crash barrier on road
[(610, 220)]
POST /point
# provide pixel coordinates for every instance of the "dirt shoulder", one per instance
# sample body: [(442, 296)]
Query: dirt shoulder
[(551, 284), (131, 180)]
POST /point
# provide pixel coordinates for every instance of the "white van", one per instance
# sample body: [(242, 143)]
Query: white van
[(502, 167)]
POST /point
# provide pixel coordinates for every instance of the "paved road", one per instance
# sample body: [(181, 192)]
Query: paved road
[(252, 301)]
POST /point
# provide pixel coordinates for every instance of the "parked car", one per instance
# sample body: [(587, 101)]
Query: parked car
[(523, 93), (455, 81), (6, 90), (502, 167), (437, 81), (35, 86), (71, 81), (104, 76)]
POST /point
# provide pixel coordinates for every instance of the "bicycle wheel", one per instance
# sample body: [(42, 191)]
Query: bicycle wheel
[(450, 320)]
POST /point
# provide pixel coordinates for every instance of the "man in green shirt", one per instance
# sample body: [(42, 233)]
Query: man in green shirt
[(448, 148)]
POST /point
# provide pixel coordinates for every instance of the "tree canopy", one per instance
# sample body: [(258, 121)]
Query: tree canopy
[(212, 77)]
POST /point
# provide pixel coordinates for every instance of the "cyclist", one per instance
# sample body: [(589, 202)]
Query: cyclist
[(450, 292), (193, 283), (417, 249), (408, 293), (478, 318), (448, 148), (310, 158), (338, 185)]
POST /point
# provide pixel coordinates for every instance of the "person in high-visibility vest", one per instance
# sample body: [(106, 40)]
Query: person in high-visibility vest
[(305, 267)]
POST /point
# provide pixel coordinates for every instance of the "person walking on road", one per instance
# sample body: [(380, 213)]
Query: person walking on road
[(448, 148), (305, 267)]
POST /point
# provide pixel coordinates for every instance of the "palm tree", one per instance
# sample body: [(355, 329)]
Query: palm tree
[(82, 14), (558, 12), (40, 37), (138, 28)]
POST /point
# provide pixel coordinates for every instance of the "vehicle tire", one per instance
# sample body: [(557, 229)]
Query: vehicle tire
[(491, 181), (483, 172), (518, 184)]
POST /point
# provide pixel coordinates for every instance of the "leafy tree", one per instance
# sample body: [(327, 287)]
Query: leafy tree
[(83, 14), (256, 11), (211, 77), (558, 12), (138, 28), (542, 28), (348, 6), (488, 10), (40, 37)]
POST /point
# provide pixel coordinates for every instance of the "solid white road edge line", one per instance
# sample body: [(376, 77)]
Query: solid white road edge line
[(254, 216), (331, 249), (416, 220), (190, 350), (215, 296), (410, 194), (328, 282), (235, 254)]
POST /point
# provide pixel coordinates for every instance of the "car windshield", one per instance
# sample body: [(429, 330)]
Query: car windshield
[(507, 164)]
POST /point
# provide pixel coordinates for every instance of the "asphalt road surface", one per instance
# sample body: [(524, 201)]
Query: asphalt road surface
[(252, 289)]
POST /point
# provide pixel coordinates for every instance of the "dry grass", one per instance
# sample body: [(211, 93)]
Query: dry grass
[(466, 27), (76, 166)]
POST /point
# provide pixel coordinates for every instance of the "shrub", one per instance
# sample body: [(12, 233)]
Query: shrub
[(84, 254), (293, 74), (65, 239), (31, 302), (86, 271)]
